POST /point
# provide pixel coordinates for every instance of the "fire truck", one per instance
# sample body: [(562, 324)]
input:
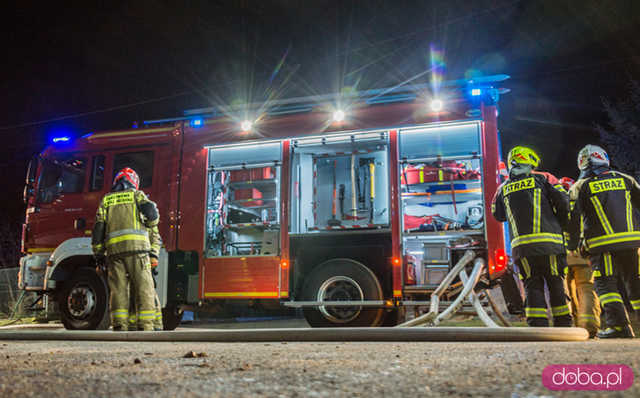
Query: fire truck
[(364, 200)]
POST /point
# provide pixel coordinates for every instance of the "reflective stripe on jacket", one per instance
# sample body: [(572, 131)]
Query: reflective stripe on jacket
[(119, 225), (606, 204), (536, 211)]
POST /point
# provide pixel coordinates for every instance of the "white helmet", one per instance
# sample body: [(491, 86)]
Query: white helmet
[(592, 156)]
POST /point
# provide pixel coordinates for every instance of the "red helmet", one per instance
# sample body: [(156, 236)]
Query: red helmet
[(567, 182), (128, 174)]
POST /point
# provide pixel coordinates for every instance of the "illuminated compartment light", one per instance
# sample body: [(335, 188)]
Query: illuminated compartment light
[(246, 125), (61, 139), (196, 122), (476, 92), (338, 116), (436, 105)]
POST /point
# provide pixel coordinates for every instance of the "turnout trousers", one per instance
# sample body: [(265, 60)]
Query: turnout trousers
[(135, 270), (133, 316), (585, 307), (608, 269), (535, 271)]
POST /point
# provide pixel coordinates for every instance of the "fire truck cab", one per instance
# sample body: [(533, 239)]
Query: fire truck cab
[(365, 200)]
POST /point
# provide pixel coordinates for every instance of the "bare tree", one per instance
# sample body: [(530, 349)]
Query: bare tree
[(9, 242), (622, 134)]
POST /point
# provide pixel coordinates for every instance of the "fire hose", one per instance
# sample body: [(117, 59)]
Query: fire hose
[(433, 317)]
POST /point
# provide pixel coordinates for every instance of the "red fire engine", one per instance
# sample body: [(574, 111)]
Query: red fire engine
[(365, 200)]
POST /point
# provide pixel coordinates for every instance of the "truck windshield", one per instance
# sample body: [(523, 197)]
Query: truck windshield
[(61, 176)]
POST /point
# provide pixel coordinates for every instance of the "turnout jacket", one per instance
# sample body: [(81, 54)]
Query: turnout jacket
[(605, 203), (537, 209), (122, 222)]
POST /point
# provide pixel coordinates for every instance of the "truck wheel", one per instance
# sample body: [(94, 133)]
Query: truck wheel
[(84, 302), (171, 317), (342, 280)]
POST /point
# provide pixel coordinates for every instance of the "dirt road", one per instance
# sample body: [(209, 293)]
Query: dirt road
[(124, 369)]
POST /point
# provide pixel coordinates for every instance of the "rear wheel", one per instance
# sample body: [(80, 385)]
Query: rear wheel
[(342, 280), (84, 302)]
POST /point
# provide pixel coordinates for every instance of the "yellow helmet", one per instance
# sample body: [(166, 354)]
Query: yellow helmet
[(522, 155)]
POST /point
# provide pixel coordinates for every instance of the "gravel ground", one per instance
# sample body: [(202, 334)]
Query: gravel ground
[(123, 369)]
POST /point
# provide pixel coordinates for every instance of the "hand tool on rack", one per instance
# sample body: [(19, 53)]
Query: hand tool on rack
[(334, 222)]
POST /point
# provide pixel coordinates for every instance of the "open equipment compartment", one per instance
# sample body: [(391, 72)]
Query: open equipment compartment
[(243, 196), (441, 195), (340, 182)]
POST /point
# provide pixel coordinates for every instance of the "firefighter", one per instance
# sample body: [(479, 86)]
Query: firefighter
[(537, 208), (604, 203), (155, 241), (120, 237), (585, 307)]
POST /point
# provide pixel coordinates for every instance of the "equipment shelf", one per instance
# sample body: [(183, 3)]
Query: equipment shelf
[(252, 184)]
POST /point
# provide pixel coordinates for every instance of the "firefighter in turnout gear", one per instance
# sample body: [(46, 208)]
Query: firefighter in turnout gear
[(155, 242), (120, 234), (585, 307), (537, 208), (604, 204)]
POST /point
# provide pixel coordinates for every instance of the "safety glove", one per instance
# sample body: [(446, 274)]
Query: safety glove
[(154, 264), (101, 264)]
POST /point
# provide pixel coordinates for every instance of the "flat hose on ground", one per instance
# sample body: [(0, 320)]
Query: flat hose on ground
[(319, 334)]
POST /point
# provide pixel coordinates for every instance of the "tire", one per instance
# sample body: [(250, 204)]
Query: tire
[(342, 279), (171, 317), (84, 302)]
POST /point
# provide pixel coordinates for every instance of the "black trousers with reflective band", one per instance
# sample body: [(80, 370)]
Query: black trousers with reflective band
[(609, 269), (535, 271)]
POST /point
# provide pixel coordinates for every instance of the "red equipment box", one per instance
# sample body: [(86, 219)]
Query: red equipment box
[(239, 175), (249, 193), (262, 173)]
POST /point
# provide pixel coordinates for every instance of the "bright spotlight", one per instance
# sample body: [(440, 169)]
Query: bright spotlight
[(436, 105), (476, 92), (246, 125), (338, 116)]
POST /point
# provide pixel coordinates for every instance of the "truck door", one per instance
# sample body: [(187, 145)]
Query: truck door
[(152, 166), (61, 210)]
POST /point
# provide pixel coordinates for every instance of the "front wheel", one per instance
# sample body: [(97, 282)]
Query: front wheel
[(342, 280), (84, 302)]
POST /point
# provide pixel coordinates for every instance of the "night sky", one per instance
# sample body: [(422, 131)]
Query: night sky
[(110, 63)]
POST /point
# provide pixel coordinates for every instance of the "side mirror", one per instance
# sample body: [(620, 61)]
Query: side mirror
[(28, 192)]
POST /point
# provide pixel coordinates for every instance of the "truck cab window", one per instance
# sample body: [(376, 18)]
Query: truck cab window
[(97, 173), (140, 162), (61, 176)]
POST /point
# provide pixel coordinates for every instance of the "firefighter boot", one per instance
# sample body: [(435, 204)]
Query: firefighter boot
[(616, 332)]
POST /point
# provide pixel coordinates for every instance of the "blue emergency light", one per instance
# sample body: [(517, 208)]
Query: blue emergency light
[(476, 92), (196, 122), (61, 139)]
